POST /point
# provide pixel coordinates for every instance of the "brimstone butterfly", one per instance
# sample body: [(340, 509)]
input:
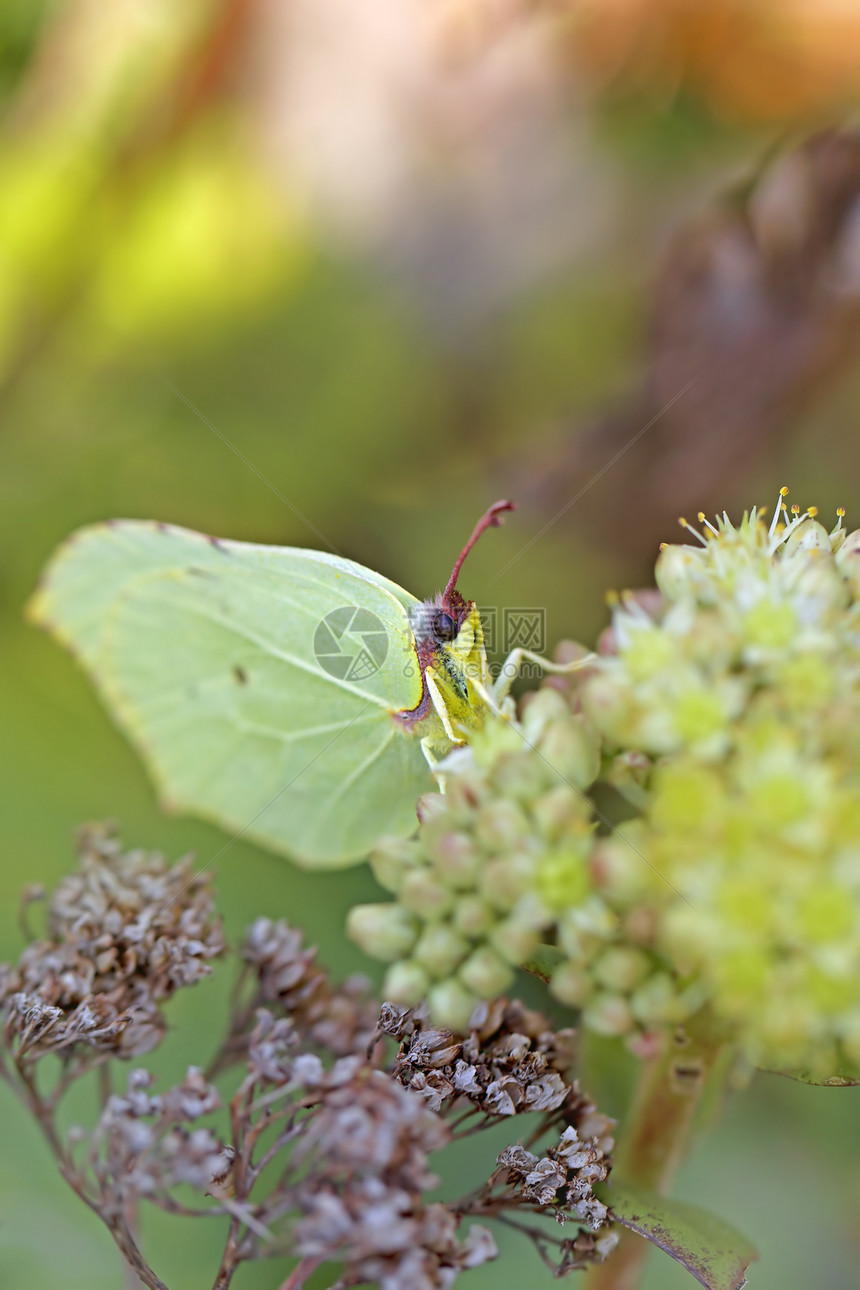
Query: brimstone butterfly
[(287, 694)]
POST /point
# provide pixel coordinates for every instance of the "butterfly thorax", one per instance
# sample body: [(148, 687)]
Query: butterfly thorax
[(449, 643)]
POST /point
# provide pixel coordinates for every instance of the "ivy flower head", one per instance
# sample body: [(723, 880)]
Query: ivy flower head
[(741, 692)]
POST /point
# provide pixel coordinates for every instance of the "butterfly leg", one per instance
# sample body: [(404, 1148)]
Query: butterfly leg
[(440, 707), (511, 666)]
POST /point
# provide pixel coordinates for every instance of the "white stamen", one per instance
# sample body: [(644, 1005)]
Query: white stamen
[(778, 510), (685, 524)]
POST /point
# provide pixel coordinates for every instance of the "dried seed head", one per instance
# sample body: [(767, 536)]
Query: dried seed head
[(125, 932)]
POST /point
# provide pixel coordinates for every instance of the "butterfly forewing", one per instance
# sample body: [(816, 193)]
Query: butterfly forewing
[(257, 682)]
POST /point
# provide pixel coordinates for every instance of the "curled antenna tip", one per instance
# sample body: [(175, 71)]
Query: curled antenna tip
[(490, 519)]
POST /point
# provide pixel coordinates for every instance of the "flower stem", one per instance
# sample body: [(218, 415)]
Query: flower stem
[(301, 1272), (655, 1136)]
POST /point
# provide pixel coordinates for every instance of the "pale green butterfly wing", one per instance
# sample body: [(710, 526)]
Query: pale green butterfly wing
[(212, 658)]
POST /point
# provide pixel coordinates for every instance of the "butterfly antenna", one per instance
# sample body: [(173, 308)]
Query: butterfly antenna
[(492, 519)]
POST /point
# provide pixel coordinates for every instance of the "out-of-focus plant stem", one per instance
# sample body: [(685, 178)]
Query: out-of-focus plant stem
[(655, 1136)]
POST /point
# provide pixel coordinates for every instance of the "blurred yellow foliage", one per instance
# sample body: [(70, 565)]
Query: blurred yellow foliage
[(128, 213), (179, 252)]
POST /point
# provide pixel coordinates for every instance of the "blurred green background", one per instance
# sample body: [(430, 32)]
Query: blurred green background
[(390, 261)]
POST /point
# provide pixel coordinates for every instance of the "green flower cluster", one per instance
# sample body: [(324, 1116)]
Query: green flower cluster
[(738, 700), (497, 857), (726, 709)]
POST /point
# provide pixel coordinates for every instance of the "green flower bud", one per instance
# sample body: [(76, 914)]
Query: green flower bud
[(571, 985), (544, 708), (609, 699), (619, 868), (520, 777), (500, 826), (686, 797), (493, 741), (473, 916), (849, 549), (553, 812), (384, 931), (770, 626), (393, 859), (657, 1002), (514, 941), (649, 652), (848, 561), (805, 681), (504, 881), (678, 571), (425, 894), (486, 974), (827, 914), (572, 750), (456, 858), (622, 968), (608, 1014), (405, 983), (701, 715), (809, 536), (464, 793), (430, 805), (562, 878), (451, 1005), (440, 949)]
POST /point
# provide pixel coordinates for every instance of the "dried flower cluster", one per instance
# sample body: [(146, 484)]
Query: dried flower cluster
[(124, 933), (368, 1145), (341, 1020), (725, 708), (510, 1061), (323, 1150)]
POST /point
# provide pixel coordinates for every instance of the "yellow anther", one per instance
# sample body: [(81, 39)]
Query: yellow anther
[(840, 511), (783, 492), (812, 511)]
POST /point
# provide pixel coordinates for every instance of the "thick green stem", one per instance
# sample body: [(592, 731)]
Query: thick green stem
[(654, 1137)]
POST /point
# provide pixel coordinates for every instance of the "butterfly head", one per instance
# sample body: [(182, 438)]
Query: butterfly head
[(449, 640)]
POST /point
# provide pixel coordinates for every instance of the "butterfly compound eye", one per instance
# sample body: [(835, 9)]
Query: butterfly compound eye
[(444, 627)]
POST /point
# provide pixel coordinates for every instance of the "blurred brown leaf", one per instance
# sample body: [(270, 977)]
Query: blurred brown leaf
[(757, 304)]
